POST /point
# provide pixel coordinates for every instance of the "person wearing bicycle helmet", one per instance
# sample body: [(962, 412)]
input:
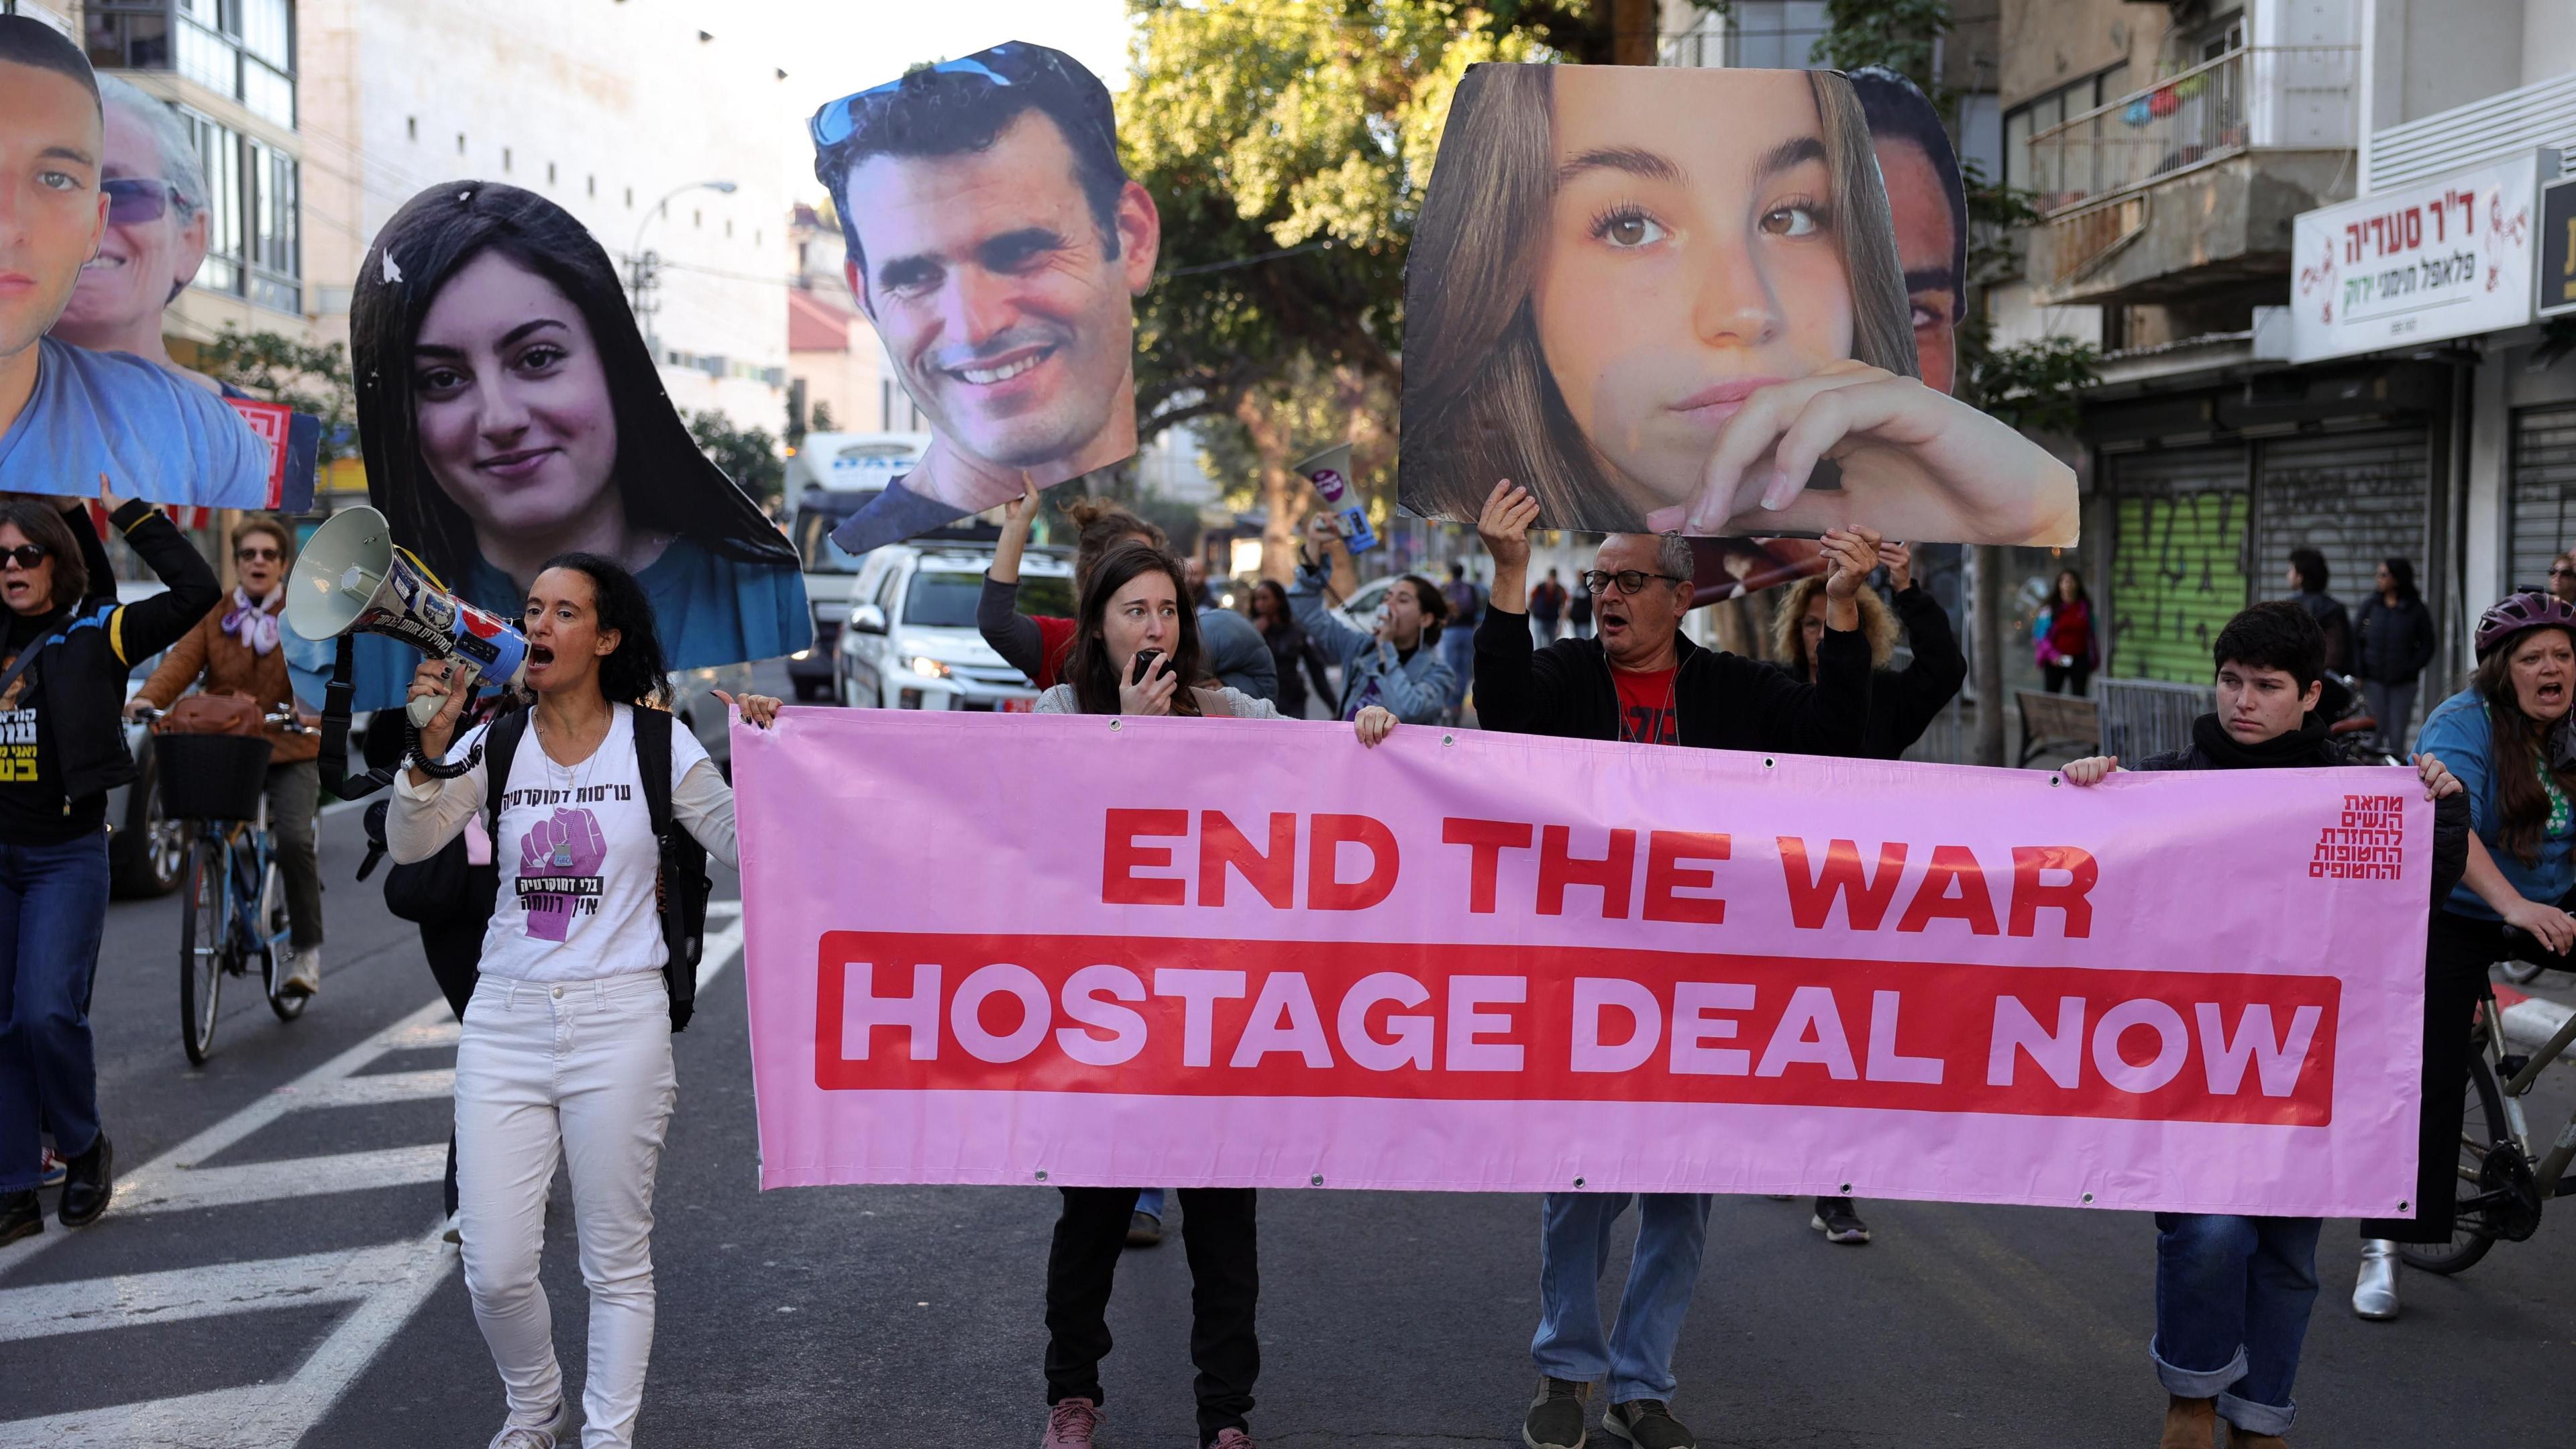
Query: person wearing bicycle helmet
[(2509, 739), (66, 647)]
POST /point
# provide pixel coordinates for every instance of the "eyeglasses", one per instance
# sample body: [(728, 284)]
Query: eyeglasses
[(2557, 571), (25, 555), (1630, 581), (1008, 64), (130, 200), (258, 555)]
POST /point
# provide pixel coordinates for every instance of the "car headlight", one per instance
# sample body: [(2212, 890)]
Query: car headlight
[(927, 667)]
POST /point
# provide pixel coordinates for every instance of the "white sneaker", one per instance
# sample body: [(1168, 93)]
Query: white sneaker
[(453, 1232), (303, 972), (521, 1436), (2375, 1296)]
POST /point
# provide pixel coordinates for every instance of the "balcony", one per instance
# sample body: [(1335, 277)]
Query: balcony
[(2192, 182)]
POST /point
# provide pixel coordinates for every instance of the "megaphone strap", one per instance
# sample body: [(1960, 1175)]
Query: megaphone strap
[(425, 570)]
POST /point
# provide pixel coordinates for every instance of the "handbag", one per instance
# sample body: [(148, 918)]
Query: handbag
[(212, 714)]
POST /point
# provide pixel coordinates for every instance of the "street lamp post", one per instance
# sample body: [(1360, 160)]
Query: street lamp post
[(645, 268)]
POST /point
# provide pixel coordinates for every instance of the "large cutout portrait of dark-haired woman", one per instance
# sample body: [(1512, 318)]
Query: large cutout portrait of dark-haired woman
[(997, 244), (509, 411), (1670, 300)]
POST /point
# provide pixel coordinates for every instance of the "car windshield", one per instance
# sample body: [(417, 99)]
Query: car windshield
[(814, 542), (946, 600)]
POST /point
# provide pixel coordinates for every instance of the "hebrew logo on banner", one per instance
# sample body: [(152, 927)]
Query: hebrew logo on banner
[(1670, 299), (509, 411), (997, 244)]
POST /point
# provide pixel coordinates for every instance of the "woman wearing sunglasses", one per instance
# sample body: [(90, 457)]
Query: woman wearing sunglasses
[(66, 646), (156, 231), (234, 650)]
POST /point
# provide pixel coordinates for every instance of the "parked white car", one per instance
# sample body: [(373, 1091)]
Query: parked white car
[(911, 641)]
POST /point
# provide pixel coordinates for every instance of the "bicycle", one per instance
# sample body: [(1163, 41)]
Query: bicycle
[(2502, 1186), (234, 896)]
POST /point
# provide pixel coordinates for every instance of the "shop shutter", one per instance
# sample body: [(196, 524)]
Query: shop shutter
[(2544, 491), (2357, 498), (2178, 558)]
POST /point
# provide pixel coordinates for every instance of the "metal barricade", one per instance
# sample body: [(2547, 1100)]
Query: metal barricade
[(2142, 717)]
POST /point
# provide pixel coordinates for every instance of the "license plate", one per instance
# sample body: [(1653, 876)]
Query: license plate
[(1018, 706)]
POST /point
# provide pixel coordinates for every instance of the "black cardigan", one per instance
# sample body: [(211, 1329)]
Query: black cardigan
[(1724, 701), (1904, 702)]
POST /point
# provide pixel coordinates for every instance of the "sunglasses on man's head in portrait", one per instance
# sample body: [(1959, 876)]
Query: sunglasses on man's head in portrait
[(1004, 65), (131, 199), (25, 555)]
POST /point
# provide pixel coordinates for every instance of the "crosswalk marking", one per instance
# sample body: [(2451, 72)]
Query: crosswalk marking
[(385, 1283)]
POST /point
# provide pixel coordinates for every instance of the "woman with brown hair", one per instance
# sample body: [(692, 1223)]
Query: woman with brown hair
[(1137, 654), (1661, 299), (2510, 740), (234, 650)]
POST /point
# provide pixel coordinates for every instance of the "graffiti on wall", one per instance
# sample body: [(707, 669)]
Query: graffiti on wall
[(2176, 575)]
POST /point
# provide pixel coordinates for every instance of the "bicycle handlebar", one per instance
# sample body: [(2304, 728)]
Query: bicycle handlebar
[(283, 719)]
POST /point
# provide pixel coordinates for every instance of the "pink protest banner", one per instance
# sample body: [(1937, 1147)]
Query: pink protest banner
[(1216, 952)]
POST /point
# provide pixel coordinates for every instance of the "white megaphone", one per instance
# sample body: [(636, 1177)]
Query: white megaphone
[(352, 578)]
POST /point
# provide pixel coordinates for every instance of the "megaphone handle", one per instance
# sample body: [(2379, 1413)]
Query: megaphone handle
[(425, 708)]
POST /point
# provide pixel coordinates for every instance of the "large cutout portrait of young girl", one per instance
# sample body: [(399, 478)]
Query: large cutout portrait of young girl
[(1669, 299), (509, 411)]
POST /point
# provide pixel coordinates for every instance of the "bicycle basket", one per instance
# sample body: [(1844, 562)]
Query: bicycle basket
[(211, 777)]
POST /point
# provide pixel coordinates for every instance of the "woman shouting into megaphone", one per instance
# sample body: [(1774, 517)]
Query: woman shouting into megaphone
[(566, 1047)]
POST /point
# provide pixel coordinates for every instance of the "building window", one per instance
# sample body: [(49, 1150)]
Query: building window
[(591, 185), (243, 50), (254, 231), (2046, 171), (460, 143), (505, 158), (550, 173), (121, 39), (630, 198), (411, 128)]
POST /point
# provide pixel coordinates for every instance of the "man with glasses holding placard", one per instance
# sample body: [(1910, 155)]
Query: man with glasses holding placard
[(997, 244), (1641, 681)]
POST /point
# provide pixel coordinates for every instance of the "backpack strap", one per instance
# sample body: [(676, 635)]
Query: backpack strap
[(679, 884), (500, 747)]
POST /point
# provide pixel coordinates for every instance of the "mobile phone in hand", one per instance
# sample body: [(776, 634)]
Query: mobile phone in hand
[(1143, 664)]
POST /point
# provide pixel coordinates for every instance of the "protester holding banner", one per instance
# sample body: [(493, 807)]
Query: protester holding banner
[(2233, 1293), (1135, 607), (236, 650), (66, 647), (1641, 681), (566, 1048), (73, 420), (1399, 666), (510, 411), (2508, 739)]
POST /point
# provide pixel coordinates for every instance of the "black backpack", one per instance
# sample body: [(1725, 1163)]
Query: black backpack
[(442, 887)]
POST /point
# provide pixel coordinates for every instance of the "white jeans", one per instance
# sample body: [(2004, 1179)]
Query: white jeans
[(584, 1067)]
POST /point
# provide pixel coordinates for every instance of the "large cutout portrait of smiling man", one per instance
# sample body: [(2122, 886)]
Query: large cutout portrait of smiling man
[(998, 245)]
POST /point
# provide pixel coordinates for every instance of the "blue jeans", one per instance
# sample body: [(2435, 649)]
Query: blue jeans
[(1574, 1251), (53, 902), (2232, 1301), (1458, 651), (1149, 1201)]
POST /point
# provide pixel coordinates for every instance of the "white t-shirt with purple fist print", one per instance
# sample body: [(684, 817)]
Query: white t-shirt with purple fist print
[(577, 860)]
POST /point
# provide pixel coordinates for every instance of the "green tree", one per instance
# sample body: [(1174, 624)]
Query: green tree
[(310, 379), (823, 421), (749, 456)]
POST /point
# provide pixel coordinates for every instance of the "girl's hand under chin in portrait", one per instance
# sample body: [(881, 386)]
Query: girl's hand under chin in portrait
[(1916, 463)]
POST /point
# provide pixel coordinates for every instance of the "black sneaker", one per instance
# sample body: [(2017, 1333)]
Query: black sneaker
[(89, 1181), (21, 1216), (1648, 1424), (1838, 1222), (1144, 1230), (1556, 1416)]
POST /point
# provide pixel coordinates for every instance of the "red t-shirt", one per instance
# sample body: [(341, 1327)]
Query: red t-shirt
[(1646, 712), (1055, 646)]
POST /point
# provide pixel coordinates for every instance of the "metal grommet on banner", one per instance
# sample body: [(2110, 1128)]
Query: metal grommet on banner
[(1847, 1189), (1448, 740), (2401, 1204), (1041, 1174), (1317, 1180), (2088, 1198), (1114, 725), (1768, 762), (2054, 782)]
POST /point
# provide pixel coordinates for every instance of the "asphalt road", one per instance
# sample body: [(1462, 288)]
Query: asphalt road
[(227, 1301)]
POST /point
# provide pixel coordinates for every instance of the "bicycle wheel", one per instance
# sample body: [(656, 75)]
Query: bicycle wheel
[(2482, 1125), (202, 929), (272, 924)]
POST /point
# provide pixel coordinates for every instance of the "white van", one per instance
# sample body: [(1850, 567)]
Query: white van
[(831, 477)]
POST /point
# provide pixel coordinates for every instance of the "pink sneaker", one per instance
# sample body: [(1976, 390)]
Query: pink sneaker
[(1233, 1439), (1071, 1423)]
